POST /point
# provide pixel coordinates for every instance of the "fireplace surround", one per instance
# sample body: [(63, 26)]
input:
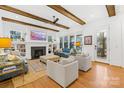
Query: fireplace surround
[(36, 52)]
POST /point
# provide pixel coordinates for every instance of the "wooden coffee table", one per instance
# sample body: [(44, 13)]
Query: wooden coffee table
[(54, 58)]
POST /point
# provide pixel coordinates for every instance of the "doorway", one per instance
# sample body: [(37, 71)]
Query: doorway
[(102, 47)]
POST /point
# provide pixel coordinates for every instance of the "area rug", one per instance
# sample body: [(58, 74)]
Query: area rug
[(37, 65), (36, 71), (6, 84)]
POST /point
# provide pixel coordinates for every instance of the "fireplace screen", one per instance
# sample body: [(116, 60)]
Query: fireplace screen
[(36, 52)]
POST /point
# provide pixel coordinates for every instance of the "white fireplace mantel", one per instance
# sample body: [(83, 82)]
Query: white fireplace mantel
[(34, 44)]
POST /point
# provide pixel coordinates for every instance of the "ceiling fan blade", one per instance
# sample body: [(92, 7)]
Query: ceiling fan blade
[(56, 20)]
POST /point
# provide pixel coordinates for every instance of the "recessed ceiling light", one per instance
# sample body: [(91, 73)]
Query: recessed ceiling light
[(17, 17)]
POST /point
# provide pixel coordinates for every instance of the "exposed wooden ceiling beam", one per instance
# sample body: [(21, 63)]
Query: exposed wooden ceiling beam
[(23, 13), (28, 24), (66, 13), (111, 10)]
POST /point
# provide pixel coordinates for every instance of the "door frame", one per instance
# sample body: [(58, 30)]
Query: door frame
[(105, 29)]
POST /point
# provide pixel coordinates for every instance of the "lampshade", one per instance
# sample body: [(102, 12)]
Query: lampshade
[(5, 42), (77, 44)]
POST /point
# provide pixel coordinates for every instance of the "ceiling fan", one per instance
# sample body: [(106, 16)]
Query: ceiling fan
[(55, 20)]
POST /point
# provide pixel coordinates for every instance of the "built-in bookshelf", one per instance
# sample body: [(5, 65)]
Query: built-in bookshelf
[(22, 49), (20, 46)]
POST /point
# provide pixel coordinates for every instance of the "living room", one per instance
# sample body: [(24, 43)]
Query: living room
[(49, 46)]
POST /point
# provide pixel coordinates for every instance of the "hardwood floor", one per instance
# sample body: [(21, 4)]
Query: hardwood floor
[(6, 84), (100, 76), (36, 71)]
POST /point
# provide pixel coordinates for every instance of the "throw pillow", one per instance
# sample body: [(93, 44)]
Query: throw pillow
[(12, 57), (65, 61), (59, 50)]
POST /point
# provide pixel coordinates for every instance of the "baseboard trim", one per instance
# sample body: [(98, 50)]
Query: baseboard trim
[(116, 66), (100, 62), (107, 64)]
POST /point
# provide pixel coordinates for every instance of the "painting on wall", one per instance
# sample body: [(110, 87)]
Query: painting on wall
[(37, 35), (61, 42), (72, 40), (66, 42), (88, 40), (79, 42), (15, 36)]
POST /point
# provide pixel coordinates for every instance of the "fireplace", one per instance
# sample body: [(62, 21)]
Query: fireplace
[(36, 52)]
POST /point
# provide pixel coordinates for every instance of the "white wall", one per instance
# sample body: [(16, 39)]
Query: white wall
[(114, 27), (116, 43), (115, 39), (1, 27), (92, 30), (6, 27), (122, 39), (114, 46), (19, 27)]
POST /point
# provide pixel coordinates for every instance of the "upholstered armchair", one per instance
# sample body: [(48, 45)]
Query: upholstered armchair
[(63, 74), (84, 62)]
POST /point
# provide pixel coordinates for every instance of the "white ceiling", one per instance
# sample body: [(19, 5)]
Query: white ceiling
[(88, 13), (119, 9)]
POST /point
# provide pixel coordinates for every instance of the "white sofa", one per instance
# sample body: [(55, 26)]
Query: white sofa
[(84, 62), (64, 75)]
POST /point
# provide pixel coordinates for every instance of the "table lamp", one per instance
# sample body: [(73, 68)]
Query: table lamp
[(77, 44), (4, 43)]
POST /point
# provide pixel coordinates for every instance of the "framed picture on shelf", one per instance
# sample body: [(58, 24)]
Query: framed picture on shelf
[(88, 40)]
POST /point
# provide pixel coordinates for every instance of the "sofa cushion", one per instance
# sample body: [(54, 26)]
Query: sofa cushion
[(12, 57), (66, 50), (83, 54), (71, 58), (65, 61), (63, 54)]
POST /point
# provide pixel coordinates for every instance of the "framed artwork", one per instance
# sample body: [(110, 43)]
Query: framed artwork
[(38, 35), (72, 40), (88, 40), (14, 35), (50, 39), (66, 42)]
